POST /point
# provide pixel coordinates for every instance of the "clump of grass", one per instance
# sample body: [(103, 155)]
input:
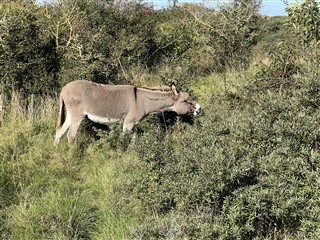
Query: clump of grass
[(119, 213), (64, 192)]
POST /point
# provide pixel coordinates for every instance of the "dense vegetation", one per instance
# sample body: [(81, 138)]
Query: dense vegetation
[(245, 169)]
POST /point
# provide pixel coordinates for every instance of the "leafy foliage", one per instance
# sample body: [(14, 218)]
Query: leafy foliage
[(305, 20), (252, 177), (27, 63), (44, 47)]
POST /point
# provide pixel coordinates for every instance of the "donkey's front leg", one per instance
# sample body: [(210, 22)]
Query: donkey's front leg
[(130, 121), (129, 126)]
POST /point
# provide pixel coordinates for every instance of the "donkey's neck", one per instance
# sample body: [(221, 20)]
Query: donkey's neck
[(157, 101), (157, 106)]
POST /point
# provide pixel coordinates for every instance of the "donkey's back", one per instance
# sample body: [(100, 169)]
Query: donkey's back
[(111, 101)]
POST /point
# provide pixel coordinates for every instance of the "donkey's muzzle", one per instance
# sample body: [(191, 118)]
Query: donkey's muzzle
[(197, 110)]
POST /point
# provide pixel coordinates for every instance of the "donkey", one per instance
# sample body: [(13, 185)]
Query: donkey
[(110, 103)]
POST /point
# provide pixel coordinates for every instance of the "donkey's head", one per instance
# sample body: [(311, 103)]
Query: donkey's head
[(184, 105)]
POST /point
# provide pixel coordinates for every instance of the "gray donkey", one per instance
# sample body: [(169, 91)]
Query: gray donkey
[(111, 103)]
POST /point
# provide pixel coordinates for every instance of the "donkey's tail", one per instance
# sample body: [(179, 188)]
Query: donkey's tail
[(62, 114)]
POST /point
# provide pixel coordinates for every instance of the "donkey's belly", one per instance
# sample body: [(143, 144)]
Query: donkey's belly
[(101, 120)]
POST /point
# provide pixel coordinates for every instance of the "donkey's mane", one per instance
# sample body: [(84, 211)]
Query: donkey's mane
[(161, 88)]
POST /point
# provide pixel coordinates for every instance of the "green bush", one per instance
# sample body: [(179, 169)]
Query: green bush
[(290, 60), (272, 32), (246, 169), (304, 20), (27, 63), (44, 47), (194, 41)]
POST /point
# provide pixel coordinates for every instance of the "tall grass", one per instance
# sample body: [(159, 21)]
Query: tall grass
[(64, 192)]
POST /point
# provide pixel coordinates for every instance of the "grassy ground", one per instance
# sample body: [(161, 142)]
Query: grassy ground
[(64, 192)]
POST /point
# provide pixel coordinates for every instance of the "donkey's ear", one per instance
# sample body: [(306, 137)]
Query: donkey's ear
[(174, 90)]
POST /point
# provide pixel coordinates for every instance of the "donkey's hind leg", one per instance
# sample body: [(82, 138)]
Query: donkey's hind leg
[(60, 131), (75, 124)]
